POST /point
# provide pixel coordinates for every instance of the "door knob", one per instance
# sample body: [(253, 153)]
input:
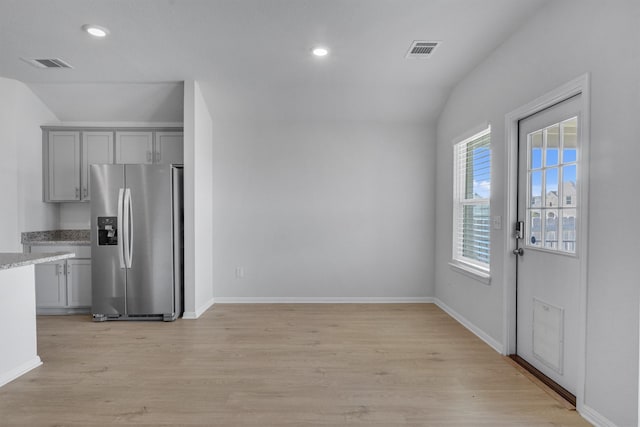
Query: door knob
[(518, 251)]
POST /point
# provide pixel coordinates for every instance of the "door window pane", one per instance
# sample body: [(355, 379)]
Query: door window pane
[(553, 145), (536, 189), (570, 140), (569, 190), (550, 228), (551, 188), (535, 150), (534, 237), (569, 230)]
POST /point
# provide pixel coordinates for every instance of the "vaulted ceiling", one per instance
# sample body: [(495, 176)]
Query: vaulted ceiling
[(252, 57)]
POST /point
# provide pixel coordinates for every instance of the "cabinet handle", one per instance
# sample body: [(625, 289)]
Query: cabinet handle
[(77, 192), (157, 156), (59, 268), (86, 192), (149, 159)]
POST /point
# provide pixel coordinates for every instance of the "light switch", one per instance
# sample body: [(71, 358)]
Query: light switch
[(497, 222)]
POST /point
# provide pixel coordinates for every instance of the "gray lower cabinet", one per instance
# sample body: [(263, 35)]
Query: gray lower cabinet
[(79, 283), (51, 284), (63, 287)]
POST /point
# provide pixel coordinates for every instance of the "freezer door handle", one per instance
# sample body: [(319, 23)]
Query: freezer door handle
[(120, 229), (128, 228)]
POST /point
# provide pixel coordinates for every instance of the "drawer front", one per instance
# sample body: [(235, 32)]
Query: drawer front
[(80, 251)]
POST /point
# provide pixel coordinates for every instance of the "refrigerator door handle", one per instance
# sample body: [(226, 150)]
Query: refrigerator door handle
[(128, 227), (120, 229)]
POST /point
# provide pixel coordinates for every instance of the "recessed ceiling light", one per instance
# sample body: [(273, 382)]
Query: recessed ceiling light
[(320, 51), (95, 30)]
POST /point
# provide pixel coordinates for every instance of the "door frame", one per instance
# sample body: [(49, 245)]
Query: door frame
[(579, 85)]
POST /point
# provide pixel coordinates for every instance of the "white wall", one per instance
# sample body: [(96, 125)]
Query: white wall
[(75, 216), (198, 181), (323, 210), (21, 114), (564, 40)]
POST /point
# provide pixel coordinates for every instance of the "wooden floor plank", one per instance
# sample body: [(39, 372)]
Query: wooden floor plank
[(276, 364)]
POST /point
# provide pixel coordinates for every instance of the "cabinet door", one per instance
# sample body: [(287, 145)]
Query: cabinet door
[(51, 284), (97, 148), (79, 282), (134, 147), (63, 149), (169, 148)]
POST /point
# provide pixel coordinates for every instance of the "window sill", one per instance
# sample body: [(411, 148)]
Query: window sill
[(475, 273)]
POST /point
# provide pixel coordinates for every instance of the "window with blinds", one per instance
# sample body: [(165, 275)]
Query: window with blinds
[(471, 194)]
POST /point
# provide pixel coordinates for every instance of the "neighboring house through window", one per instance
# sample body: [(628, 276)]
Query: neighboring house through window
[(471, 194)]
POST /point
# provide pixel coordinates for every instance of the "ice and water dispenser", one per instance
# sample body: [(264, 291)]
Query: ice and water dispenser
[(107, 230)]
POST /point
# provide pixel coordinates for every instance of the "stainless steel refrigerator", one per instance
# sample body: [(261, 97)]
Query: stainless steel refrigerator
[(136, 242)]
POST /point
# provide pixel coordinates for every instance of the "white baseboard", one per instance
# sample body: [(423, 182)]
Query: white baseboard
[(324, 300), (497, 346), (594, 417), (11, 375), (199, 311)]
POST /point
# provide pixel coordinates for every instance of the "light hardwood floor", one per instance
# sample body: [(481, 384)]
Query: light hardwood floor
[(276, 364)]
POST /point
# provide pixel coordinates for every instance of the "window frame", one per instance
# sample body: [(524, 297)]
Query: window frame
[(468, 266)]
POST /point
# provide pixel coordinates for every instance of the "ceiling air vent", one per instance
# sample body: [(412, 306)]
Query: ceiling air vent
[(421, 49), (47, 63)]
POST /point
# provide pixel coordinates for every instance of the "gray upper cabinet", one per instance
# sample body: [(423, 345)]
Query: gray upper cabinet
[(97, 148), (68, 152), (169, 148), (143, 148), (63, 154), (134, 147), (67, 156)]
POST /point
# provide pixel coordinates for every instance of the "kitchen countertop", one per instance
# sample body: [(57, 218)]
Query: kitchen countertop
[(57, 237), (19, 259)]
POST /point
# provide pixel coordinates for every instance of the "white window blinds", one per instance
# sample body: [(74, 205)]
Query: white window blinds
[(471, 194)]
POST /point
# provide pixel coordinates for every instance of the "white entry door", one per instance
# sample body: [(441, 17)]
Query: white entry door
[(548, 265)]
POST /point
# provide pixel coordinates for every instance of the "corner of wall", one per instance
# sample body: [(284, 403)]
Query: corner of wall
[(189, 231), (198, 289), (192, 315), (22, 113)]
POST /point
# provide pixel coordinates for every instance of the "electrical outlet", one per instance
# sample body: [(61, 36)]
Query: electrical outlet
[(239, 272)]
